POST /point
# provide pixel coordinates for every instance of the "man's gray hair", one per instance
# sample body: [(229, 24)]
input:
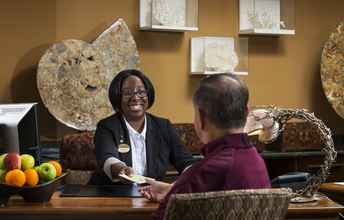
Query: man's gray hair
[(223, 99)]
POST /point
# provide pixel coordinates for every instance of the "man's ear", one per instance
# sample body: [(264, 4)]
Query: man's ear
[(202, 118)]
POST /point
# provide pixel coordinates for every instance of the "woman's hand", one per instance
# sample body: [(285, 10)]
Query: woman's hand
[(119, 168), (156, 190)]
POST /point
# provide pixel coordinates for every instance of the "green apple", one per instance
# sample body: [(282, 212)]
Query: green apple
[(27, 161), (47, 172), (2, 161), (2, 175)]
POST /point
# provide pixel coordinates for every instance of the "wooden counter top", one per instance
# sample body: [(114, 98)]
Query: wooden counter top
[(99, 208)]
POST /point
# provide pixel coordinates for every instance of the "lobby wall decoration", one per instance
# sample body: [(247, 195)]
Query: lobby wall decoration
[(169, 12), (169, 15), (261, 14), (267, 17), (73, 76), (332, 69), (210, 55), (117, 48)]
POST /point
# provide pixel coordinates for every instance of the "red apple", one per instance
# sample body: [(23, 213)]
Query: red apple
[(12, 161)]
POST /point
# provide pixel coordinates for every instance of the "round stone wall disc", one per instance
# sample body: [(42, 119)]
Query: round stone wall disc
[(73, 84), (332, 70)]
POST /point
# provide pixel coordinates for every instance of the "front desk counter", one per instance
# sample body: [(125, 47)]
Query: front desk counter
[(334, 190), (119, 208)]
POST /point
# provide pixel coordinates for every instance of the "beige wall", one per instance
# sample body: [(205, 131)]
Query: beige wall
[(27, 29), (283, 71)]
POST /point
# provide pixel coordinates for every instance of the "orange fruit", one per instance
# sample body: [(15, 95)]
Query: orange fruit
[(32, 177), (57, 166), (15, 177)]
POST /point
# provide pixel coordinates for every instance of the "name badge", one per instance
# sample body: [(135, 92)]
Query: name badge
[(123, 148)]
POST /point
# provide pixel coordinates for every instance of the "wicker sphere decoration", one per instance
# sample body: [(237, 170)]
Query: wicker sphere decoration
[(280, 117)]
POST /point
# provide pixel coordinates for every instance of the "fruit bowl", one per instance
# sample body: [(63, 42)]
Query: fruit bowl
[(39, 193)]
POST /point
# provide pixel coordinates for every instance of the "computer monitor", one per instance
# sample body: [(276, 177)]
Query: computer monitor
[(19, 129)]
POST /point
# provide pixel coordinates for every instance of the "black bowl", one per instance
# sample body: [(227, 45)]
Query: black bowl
[(39, 193)]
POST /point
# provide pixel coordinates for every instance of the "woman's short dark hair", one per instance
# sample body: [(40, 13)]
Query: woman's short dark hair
[(115, 89), (223, 99)]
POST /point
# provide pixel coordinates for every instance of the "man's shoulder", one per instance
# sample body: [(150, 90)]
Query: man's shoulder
[(216, 164)]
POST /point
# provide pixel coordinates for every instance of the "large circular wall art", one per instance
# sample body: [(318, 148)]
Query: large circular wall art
[(73, 76), (332, 70), (72, 80)]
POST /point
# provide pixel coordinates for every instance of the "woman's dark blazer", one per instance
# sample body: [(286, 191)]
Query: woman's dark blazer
[(163, 146)]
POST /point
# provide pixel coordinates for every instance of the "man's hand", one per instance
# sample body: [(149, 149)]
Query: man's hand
[(156, 190), (118, 168)]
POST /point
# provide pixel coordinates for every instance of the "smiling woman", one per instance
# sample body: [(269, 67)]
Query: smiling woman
[(134, 101), (132, 141)]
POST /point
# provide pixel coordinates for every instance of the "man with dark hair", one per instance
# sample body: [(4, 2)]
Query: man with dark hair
[(230, 160)]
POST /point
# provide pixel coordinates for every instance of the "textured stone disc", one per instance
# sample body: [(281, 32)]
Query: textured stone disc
[(118, 48), (332, 70), (73, 84)]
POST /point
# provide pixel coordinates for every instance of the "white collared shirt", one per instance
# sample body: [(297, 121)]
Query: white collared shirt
[(138, 148), (138, 152)]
